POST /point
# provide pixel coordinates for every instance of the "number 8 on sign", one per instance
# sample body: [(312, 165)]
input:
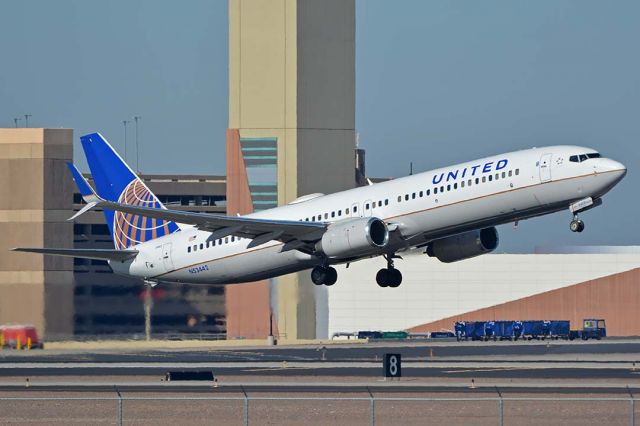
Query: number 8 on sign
[(392, 365)]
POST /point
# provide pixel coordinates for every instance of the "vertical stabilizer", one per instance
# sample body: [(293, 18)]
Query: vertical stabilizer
[(115, 181)]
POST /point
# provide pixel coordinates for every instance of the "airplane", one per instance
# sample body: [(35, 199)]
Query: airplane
[(450, 213)]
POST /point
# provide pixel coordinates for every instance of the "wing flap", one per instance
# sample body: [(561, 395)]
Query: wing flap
[(98, 254)]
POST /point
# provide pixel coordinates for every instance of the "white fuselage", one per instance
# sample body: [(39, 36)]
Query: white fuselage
[(421, 208)]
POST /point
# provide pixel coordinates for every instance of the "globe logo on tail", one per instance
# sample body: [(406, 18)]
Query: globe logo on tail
[(129, 229)]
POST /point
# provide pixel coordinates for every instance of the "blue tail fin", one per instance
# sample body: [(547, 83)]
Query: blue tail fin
[(115, 181)]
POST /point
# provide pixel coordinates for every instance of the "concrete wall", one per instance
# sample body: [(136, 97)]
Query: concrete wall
[(35, 201), (292, 77), (432, 291)]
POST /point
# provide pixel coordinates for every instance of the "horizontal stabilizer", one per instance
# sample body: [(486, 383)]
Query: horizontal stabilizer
[(98, 254)]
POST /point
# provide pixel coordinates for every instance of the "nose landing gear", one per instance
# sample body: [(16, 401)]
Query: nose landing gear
[(576, 225), (389, 276)]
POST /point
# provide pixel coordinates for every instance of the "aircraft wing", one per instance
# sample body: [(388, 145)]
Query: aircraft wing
[(99, 254), (259, 230)]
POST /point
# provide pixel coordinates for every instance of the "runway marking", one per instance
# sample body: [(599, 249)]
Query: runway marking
[(479, 370), (280, 368)]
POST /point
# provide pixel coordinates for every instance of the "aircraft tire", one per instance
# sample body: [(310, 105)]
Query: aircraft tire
[(331, 276), (382, 277), (319, 275), (395, 278)]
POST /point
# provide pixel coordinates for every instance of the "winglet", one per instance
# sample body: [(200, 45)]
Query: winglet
[(88, 194)]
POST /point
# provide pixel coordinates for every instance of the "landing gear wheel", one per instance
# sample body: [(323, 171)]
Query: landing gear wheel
[(319, 275), (389, 277), (382, 277), (396, 278), (332, 276), (576, 225), (324, 275)]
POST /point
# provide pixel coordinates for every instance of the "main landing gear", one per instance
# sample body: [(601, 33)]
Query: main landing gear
[(324, 275), (389, 276)]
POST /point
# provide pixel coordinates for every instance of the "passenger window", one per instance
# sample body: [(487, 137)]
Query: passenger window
[(380, 203), (484, 179), (226, 240), (477, 181), (470, 181), (326, 215), (510, 173), (339, 212), (406, 197), (428, 192), (208, 244), (455, 185), (497, 176), (189, 249), (490, 178), (504, 175), (213, 243), (462, 184), (386, 203), (201, 246), (233, 238), (442, 188), (399, 198), (355, 209), (333, 214), (435, 190), (195, 248), (420, 194), (413, 196), (346, 211), (220, 242), (517, 172), (448, 187)]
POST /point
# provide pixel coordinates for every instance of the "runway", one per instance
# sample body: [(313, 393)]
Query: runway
[(451, 383)]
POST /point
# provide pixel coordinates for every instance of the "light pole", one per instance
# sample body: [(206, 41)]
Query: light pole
[(136, 119), (124, 123), (15, 121), (26, 120)]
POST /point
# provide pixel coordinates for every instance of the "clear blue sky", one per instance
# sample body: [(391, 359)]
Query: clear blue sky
[(437, 83)]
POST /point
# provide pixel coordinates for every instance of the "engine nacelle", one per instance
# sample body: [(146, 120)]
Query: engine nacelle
[(464, 246), (354, 237)]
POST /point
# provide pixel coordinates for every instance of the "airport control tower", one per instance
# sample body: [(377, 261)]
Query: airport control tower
[(291, 133)]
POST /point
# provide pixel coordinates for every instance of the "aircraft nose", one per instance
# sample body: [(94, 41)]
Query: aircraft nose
[(617, 169)]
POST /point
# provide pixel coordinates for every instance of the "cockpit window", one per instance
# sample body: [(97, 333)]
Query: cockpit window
[(583, 157)]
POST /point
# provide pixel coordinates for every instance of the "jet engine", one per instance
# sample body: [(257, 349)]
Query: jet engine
[(354, 237), (464, 246)]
